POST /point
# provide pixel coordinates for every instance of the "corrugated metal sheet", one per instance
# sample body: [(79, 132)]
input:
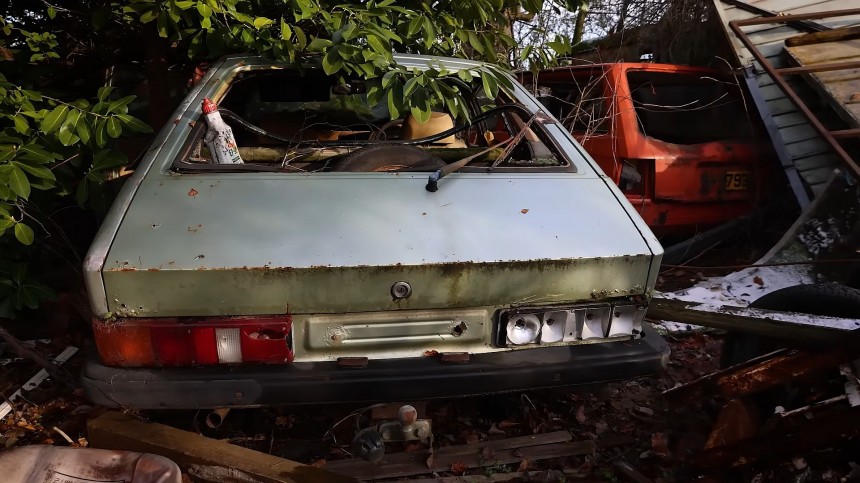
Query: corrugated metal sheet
[(811, 155)]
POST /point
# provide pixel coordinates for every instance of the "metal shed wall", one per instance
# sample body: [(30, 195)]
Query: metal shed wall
[(812, 156)]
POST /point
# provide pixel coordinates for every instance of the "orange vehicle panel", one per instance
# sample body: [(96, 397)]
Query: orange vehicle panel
[(676, 139)]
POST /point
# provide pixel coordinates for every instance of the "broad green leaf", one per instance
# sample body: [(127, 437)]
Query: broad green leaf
[(134, 123), (67, 136), (491, 88), (389, 78), (410, 86), (18, 182), (475, 42), (204, 10), (301, 38), (104, 92), (35, 153), (118, 104), (331, 62), (262, 22), (100, 134), (54, 119), (422, 115), (395, 100), (162, 24), (318, 44), (414, 25), (7, 152), (349, 31), (83, 130), (183, 4), (286, 31), (114, 127), (37, 171), (21, 124), (5, 224), (52, 12), (526, 52), (24, 233), (377, 44)]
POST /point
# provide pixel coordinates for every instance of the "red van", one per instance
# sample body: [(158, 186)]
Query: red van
[(676, 139)]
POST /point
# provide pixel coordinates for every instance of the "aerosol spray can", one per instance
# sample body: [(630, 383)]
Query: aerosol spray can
[(219, 137)]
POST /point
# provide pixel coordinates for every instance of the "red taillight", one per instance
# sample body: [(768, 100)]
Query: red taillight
[(174, 342), (637, 177)]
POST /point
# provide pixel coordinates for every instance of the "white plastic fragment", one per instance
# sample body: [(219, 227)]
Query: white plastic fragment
[(34, 381)]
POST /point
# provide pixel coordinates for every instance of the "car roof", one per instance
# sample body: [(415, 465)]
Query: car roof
[(406, 60)]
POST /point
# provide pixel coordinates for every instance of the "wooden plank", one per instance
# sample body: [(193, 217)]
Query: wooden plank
[(768, 323), (489, 453), (114, 430), (840, 88), (818, 179), (825, 161), (807, 148), (789, 119), (781, 106), (835, 35), (771, 92), (794, 134)]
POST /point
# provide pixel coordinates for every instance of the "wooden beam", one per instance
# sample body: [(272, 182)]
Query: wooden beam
[(488, 453), (803, 328), (833, 35), (114, 430)]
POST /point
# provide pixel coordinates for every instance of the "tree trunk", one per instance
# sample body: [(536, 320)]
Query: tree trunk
[(579, 27)]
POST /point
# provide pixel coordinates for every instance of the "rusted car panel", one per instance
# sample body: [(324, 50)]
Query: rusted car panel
[(272, 266), (203, 246), (676, 139)]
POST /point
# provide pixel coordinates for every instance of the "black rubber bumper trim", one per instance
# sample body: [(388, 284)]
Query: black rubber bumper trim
[(381, 380)]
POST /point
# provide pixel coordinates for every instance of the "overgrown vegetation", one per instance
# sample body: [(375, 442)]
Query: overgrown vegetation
[(66, 112)]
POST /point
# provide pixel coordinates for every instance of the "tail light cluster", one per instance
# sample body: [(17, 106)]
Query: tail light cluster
[(637, 177), (175, 342), (533, 326)]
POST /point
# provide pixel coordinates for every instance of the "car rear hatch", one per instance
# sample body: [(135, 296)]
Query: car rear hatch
[(714, 171), (269, 243)]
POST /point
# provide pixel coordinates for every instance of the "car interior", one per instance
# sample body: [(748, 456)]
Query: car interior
[(286, 120)]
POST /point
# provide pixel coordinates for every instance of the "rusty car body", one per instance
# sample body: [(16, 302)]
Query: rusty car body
[(300, 278), (676, 139)]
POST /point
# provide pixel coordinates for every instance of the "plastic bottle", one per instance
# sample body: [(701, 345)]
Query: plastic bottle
[(219, 137)]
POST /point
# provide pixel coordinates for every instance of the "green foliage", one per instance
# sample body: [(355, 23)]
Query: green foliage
[(357, 39), (49, 147), (59, 140)]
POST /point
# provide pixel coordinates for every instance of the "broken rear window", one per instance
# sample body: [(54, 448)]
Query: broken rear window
[(291, 121), (688, 108)]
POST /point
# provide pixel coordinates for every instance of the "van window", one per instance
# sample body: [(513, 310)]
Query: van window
[(581, 105), (687, 108)]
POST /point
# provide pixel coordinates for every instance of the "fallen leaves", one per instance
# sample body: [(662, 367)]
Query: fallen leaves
[(580, 415), (524, 466), (458, 467)]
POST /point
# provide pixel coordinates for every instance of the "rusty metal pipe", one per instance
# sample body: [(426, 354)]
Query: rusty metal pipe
[(216, 417)]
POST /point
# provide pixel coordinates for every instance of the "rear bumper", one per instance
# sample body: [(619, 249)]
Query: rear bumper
[(381, 380)]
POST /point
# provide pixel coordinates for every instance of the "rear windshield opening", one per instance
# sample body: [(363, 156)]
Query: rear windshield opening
[(688, 108), (580, 104), (289, 121)]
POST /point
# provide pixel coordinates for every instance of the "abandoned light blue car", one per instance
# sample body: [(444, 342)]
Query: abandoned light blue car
[(286, 242)]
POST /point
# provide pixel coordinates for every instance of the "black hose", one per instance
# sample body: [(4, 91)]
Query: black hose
[(412, 142)]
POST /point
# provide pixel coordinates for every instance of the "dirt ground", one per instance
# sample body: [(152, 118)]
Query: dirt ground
[(658, 439)]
